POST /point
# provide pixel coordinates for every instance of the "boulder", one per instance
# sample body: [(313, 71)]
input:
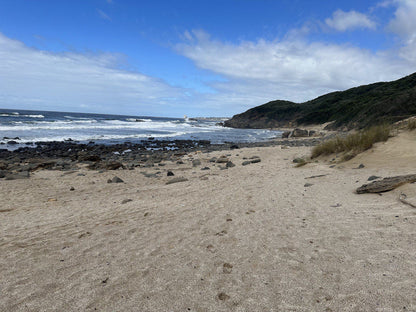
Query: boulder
[(298, 133)]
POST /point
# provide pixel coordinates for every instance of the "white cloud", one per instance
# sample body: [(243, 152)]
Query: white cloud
[(404, 25), (343, 21), (35, 79), (291, 69)]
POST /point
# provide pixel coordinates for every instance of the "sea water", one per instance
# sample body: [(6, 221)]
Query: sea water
[(44, 126)]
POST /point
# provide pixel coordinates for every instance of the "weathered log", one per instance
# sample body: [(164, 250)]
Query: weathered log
[(387, 184)]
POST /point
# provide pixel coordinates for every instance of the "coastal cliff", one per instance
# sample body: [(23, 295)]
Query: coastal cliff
[(359, 107)]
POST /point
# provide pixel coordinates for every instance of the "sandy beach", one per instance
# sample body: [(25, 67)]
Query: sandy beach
[(261, 237)]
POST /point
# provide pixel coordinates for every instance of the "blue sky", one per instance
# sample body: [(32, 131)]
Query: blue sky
[(196, 57)]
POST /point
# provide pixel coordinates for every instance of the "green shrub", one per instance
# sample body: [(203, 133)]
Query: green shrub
[(354, 143)]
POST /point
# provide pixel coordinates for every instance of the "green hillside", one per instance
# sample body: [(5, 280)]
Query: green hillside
[(354, 108)]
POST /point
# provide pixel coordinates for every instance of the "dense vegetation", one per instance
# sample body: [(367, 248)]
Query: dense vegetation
[(364, 106), (354, 143)]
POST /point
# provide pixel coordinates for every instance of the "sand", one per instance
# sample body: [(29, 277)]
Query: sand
[(261, 237)]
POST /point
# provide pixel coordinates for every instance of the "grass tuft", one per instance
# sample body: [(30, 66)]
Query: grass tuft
[(411, 125), (353, 144)]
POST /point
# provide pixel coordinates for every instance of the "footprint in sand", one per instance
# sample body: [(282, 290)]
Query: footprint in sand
[(222, 233), (223, 296), (227, 268), (211, 248)]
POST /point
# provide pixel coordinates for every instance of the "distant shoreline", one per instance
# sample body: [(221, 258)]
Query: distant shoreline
[(70, 155)]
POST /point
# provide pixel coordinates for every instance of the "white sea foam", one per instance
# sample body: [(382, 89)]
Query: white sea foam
[(31, 128), (77, 118), (138, 120), (17, 115), (109, 137)]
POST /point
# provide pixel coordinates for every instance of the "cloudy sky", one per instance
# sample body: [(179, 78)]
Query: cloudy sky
[(200, 58)]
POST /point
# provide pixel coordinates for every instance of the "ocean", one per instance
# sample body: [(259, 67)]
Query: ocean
[(24, 126)]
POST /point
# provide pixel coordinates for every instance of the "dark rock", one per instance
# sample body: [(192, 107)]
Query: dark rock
[(229, 164), (3, 165), (234, 146), (361, 166), (298, 160), (371, 178), (170, 174), (114, 165), (36, 164), (205, 168), (89, 157), (179, 162), (72, 188), (308, 184), (257, 160), (297, 133), (285, 134), (176, 180), (125, 201), (247, 162), (115, 179), (213, 159), (387, 184), (7, 138), (12, 142)]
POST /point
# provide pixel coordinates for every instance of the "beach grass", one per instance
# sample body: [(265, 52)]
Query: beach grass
[(354, 143), (411, 125)]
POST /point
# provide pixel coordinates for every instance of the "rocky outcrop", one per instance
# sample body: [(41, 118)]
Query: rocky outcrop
[(298, 133)]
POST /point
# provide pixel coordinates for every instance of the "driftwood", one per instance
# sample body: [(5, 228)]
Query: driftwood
[(316, 176), (387, 184)]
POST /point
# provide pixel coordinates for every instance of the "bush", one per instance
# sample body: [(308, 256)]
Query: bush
[(354, 143)]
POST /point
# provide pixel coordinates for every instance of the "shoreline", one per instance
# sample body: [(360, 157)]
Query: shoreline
[(19, 163)]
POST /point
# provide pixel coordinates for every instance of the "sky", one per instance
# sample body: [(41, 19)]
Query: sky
[(196, 57)]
